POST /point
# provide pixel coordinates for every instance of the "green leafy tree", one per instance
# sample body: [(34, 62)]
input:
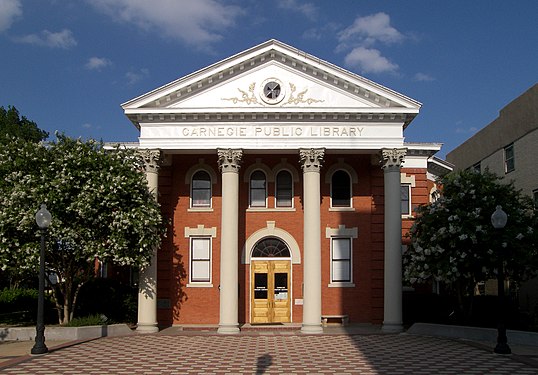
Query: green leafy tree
[(454, 242), (12, 125), (100, 204)]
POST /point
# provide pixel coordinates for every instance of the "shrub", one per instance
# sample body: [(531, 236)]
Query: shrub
[(18, 306), (115, 300), (90, 320)]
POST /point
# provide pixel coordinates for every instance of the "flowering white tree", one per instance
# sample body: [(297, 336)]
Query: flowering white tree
[(454, 242), (100, 204)]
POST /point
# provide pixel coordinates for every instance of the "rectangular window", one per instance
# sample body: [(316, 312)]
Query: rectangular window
[(406, 199), (341, 260), (200, 260), (284, 189), (509, 159)]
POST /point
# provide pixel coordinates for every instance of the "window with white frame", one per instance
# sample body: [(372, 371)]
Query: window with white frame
[(340, 189), (406, 199), (201, 190), (258, 189), (341, 260), (509, 159), (200, 260), (284, 189)]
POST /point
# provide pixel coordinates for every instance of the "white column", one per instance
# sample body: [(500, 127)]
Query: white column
[(311, 160), (229, 164), (147, 284), (392, 160)]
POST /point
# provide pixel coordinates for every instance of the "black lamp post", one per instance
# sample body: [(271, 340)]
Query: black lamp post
[(498, 220), (43, 219)]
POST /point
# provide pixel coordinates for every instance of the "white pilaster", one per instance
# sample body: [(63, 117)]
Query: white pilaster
[(147, 284), (311, 160), (229, 164), (392, 160)]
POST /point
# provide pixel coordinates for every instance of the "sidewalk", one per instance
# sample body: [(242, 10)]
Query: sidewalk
[(361, 349), (12, 350)]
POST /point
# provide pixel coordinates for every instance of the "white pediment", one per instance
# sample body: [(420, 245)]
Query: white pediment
[(271, 96), (306, 83), (296, 90)]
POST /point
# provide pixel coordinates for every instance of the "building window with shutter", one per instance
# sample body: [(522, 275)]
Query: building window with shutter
[(406, 199), (258, 189), (284, 189), (200, 260), (341, 260), (340, 189), (201, 190)]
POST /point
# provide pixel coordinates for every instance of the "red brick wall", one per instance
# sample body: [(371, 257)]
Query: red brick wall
[(363, 303)]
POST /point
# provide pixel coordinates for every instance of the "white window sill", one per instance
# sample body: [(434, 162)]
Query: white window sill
[(200, 285), (342, 209), (278, 209), (201, 209), (341, 285), (408, 217)]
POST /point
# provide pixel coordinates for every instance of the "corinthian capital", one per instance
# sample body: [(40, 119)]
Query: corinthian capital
[(152, 159), (311, 159), (229, 159), (392, 157)]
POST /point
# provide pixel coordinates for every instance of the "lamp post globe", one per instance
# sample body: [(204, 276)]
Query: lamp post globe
[(499, 219), (43, 220)]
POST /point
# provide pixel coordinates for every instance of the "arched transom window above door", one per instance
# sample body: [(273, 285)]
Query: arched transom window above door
[(270, 248)]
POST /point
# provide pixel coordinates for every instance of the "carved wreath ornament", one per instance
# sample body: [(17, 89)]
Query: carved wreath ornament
[(249, 97)]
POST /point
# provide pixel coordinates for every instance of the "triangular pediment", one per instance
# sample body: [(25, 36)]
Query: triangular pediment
[(271, 78)]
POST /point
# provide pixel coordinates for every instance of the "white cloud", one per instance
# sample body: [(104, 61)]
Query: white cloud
[(369, 60), (10, 10), (308, 10), (358, 41), (97, 63), (62, 39), (199, 23), (423, 77), (136, 76), (368, 30)]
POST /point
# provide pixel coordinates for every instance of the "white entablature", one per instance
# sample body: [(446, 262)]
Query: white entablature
[(269, 97)]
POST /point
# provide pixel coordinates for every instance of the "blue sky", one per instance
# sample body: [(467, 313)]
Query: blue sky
[(69, 64)]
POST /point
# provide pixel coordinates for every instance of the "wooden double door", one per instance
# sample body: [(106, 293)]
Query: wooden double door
[(270, 291)]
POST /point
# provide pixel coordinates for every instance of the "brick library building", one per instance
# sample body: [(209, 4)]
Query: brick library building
[(289, 189)]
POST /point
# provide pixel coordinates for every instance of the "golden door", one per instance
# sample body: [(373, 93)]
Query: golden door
[(270, 291)]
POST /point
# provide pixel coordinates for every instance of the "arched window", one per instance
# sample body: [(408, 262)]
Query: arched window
[(201, 189), (341, 189), (284, 189), (270, 248), (258, 189)]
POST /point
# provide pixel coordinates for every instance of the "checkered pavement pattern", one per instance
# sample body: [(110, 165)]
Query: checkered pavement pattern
[(282, 353)]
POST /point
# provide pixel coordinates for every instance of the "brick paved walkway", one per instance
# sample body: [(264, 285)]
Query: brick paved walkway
[(290, 353)]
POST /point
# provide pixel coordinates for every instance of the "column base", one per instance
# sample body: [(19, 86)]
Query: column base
[(392, 328), (312, 328), (228, 329), (147, 328)]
